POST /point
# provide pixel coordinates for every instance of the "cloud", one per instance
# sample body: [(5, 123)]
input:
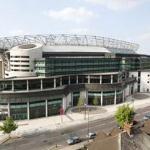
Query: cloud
[(70, 14), (118, 5)]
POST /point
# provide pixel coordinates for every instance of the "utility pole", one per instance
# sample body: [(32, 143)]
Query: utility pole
[(85, 112), (88, 125)]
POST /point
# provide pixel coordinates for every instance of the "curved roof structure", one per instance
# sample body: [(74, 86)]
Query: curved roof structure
[(68, 40)]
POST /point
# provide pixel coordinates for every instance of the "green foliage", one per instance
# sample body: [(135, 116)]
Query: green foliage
[(8, 126), (80, 102), (124, 114), (95, 100)]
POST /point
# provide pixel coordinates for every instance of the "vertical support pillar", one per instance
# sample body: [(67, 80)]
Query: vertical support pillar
[(28, 111), (111, 79), (86, 97), (69, 80), (46, 110), (12, 85), (115, 98), (41, 84), (61, 81), (77, 79), (100, 79), (119, 78), (88, 79), (54, 82), (101, 98), (8, 109), (27, 85), (123, 93), (64, 103)]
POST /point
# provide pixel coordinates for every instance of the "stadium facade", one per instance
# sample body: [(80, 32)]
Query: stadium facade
[(42, 74)]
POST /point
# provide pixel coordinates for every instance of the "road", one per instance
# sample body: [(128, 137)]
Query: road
[(43, 141)]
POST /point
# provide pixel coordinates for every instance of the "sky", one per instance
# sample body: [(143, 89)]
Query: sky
[(127, 20)]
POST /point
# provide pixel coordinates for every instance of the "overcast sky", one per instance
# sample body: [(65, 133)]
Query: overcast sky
[(121, 19)]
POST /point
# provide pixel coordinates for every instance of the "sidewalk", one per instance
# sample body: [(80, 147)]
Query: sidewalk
[(28, 127)]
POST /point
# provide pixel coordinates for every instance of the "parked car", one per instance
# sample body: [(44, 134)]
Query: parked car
[(91, 135), (73, 140), (147, 116)]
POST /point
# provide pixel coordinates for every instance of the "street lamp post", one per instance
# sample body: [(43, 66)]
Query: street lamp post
[(88, 124), (85, 112)]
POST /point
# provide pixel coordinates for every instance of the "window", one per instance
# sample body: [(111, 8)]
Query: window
[(147, 81), (27, 61), (148, 75), (24, 56), (147, 90)]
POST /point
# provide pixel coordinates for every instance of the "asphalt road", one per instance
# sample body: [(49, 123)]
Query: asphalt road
[(46, 140)]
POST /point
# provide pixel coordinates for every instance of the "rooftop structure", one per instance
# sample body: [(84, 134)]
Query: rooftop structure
[(67, 40)]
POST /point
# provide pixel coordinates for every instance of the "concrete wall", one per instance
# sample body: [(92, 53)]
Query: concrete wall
[(145, 82)]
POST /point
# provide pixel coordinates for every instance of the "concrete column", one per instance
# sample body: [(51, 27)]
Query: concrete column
[(61, 81), (77, 79), (123, 95), (111, 79), (12, 85), (101, 98), (100, 79), (46, 110), (118, 78), (41, 84), (115, 98), (27, 85), (69, 80), (54, 82), (64, 103), (8, 109), (88, 79), (28, 111), (83, 94)]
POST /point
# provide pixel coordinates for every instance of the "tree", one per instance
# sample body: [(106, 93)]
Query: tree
[(8, 126), (95, 100), (124, 114), (80, 102)]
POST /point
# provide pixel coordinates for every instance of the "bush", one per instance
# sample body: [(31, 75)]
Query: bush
[(124, 114), (8, 126)]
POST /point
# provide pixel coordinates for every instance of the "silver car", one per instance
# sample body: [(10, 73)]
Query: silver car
[(147, 116), (91, 135), (73, 140)]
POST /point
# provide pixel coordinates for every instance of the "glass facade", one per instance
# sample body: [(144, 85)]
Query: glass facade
[(5, 85), (3, 111), (145, 63), (108, 97), (54, 106), (37, 109), (20, 85), (106, 79), (119, 97), (18, 111), (94, 96), (65, 66), (34, 84), (48, 83), (76, 96)]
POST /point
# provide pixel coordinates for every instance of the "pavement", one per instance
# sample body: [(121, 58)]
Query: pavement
[(29, 127)]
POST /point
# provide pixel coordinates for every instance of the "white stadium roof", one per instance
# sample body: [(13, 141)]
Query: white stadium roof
[(108, 44)]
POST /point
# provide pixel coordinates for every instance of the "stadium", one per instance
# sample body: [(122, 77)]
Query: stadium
[(43, 73)]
